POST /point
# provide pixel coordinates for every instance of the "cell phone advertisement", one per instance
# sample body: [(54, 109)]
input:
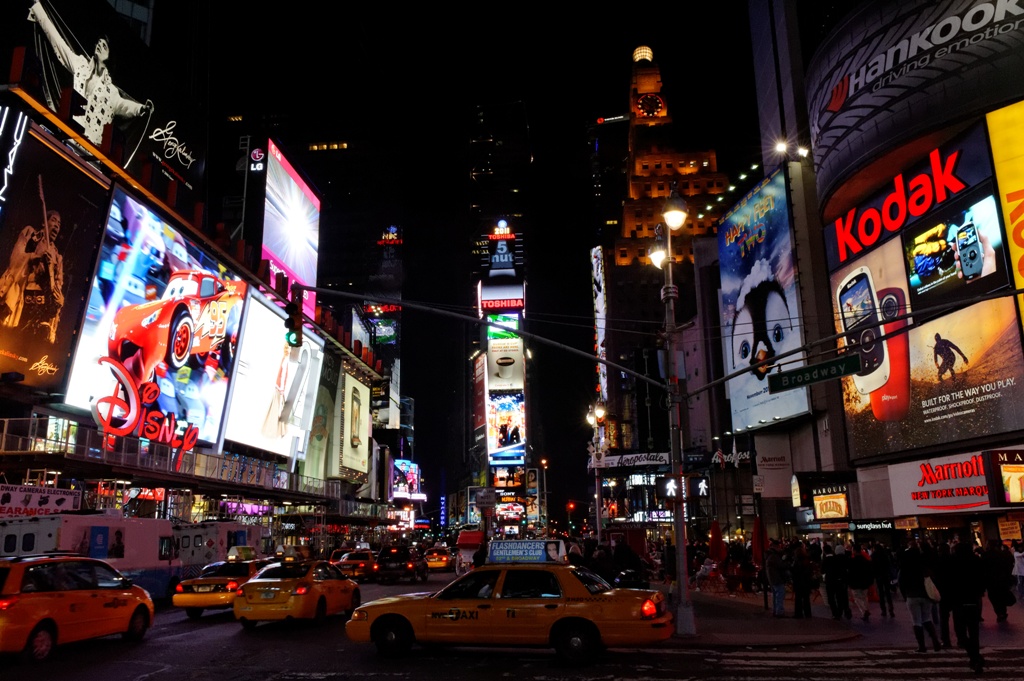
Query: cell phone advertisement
[(950, 378)]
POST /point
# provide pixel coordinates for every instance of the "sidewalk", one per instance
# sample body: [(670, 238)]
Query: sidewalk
[(741, 621)]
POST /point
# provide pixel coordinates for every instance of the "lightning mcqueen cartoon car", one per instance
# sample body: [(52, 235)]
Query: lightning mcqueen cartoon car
[(197, 312)]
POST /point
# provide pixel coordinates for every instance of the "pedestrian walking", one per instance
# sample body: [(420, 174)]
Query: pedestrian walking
[(802, 571), (834, 569), (881, 566), (912, 575), (944, 581), (966, 586), (861, 578), (1018, 567), (776, 574), (998, 568)]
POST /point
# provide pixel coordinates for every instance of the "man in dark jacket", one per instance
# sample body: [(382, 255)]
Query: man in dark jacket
[(776, 574), (834, 570), (998, 567), (881, 565), (966, 586)]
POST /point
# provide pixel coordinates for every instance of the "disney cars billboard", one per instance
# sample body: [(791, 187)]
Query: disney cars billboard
[(190, 322), (161, 328)]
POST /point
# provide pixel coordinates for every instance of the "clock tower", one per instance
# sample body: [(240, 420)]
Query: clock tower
[(647, 105)]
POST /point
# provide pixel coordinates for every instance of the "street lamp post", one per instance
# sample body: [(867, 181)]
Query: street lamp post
[(544, 495), (675, 216), (594, 417)]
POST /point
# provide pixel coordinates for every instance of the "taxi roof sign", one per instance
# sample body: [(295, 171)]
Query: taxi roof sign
[(526, 551), (237, 553)]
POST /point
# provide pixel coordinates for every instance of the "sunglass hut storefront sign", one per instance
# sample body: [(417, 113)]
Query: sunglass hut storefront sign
[(947, 484)]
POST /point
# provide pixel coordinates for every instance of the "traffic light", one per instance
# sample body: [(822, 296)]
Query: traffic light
[(293, 325)]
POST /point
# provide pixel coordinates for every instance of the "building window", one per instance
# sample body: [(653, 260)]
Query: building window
[(668, 164), (647, 188), (639, 214), (661, 187), (623, 253), (657, 166), (645, 166)]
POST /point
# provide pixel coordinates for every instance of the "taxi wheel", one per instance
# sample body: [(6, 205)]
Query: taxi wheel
[(138, 625), (41, 643), (248, 625), (320, 616), (392, 636), (357, 600), (194, 613), (424, 576), (576, 641)]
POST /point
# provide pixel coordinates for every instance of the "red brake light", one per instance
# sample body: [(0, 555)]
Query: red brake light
[(232, 585), (376, 567), (648, 609), (7, 602), (179, 589), (240, 592), (301, 590), (362, 565), (409, 566)]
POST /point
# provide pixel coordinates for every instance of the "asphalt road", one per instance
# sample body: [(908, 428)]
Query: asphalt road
[(216, 647)]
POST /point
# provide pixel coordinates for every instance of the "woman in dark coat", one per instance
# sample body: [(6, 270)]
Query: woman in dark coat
[(998, 566), (966, 586), (912, 573)]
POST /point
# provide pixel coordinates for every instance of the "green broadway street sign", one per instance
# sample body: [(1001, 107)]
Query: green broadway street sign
[(848, 364)]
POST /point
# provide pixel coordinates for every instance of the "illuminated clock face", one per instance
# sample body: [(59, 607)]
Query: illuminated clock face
[(650, 105)]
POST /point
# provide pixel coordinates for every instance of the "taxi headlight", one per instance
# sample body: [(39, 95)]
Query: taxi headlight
[(359, 616)]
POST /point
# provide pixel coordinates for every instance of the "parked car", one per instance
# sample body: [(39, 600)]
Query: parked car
[(311, 590), (400, 562), (61, 598)]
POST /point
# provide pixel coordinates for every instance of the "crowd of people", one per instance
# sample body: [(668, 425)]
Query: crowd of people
[(942, 584)]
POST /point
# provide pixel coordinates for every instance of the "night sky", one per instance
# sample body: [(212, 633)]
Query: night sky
[(412, 78)]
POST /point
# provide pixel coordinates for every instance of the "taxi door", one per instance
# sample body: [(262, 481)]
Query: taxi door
[(465, 611), (331, 584), (531, 602)]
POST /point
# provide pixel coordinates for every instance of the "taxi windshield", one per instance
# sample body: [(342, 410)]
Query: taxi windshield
[(226, 570), (593, 582), (362, 555), (281, 571)]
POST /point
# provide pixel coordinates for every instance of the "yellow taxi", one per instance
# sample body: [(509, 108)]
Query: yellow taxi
[(61, 598), (217, 584), (439, 559), (524, 595), (291, 590), (358, 565)]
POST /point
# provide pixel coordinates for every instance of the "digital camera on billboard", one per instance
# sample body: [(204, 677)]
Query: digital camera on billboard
[(861, 323), (968, 247)]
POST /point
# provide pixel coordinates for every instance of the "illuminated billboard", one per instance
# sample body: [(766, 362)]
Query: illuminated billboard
[(502, 325), (356, 429), (323, 453), (405, 481), (760, 305), (160, 311), (291, 225), (506, 368), (931, 244), (506, 428), (597, 280), (275, 384), (51, 215), (155, 133)]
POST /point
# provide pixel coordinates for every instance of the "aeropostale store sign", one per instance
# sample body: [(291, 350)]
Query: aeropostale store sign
[(945, 484)]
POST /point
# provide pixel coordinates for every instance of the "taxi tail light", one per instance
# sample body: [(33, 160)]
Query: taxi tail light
[(409, 566), (178, 588), (240, 592), (301, 590), (376, 567), (362, 565), (232, 585), (649, 609), (8, 602)]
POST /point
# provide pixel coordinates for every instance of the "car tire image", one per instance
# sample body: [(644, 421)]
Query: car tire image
[(179, 339), (248, 625), (320, 616), (576, 642), (357, 600), (392, 636), (194, 613), (40, 644), (138, 625)]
